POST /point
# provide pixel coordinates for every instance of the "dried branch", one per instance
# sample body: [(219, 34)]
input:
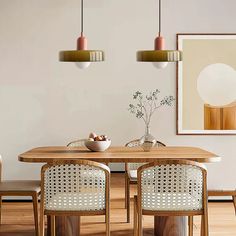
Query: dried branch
[(146, 106)]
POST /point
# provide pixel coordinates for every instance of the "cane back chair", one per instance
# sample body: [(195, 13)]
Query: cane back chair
[(76, 188), (80, 143), (171, 188), (21, 188), (131, 173), (77, 143), (224, 193), (217, 193)]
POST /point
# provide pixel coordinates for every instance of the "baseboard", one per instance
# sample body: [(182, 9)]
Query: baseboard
[(16, 200), (220, 200), (120, 172)]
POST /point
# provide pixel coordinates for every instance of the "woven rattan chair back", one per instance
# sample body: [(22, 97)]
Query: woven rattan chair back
[(80, 143), (136, 143), (76, 143), (131, 173), (172, 186), (75, 187)]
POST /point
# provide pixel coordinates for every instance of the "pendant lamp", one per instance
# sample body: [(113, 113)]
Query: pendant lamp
[(159, 56), (82, 56)]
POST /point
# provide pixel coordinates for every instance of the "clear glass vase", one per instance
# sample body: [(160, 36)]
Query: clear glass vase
[(147, 141)]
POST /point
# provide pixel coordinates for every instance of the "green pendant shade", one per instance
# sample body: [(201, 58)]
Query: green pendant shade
[(81, 56), (159, 56)]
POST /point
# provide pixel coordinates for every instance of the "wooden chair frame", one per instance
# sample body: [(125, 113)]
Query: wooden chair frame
[(224, 193), (129, 181), (78, 213), (138, 211), (33, 194), (79, 143), (216, 193), (76, 143)]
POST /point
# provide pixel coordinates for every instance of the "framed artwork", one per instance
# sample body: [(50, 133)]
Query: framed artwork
[(206, 84)]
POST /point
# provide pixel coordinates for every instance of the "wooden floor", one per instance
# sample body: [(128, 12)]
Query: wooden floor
[(18, 217)]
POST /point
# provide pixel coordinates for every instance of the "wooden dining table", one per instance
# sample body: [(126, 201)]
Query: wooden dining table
[(175, 226)]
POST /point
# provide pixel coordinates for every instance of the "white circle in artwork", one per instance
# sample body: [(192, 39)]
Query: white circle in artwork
[(216, 84)]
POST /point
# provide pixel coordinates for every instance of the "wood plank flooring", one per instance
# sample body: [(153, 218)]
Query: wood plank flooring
[(17, 217)]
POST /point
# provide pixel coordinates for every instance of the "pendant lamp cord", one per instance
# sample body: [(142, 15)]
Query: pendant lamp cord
[(82, 17), (159, 30)]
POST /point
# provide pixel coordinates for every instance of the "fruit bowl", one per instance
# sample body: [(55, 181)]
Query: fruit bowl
[(97, 146)]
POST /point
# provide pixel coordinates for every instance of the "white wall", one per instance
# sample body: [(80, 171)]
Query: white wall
[(47, 102)]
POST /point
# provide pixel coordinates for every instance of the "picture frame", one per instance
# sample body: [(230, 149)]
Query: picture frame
[(205, 81)]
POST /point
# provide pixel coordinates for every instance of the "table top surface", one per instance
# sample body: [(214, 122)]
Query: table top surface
[(118, 154)]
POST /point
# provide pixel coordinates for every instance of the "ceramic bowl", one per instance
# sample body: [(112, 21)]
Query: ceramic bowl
[(97, 146)]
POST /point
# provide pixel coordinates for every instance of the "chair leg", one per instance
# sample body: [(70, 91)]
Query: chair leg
[(53, 225), (140, 225), (107, 223), (42, 220), (128, 201), (190, 225), (202, 225), (234, 202), (206, 228), (0, 210), (48, 232), (126, 179), (79, 224), (36, 213), (135, 216)]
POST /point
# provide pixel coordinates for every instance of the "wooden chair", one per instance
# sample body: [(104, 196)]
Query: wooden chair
[(224, 193), (131, 174), (77, 143), (21, 188), (80, 143), (76, 188), (171, 188), (217, 193)]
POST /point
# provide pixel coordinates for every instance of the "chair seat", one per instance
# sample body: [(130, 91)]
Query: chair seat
[(170, 202), (133, 175), (20, 186), (83, 201)]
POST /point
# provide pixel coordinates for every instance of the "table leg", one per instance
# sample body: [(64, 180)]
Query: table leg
[(66, 226), (170, 226)]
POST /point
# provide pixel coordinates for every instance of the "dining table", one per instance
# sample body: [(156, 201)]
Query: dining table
[(172, 225)]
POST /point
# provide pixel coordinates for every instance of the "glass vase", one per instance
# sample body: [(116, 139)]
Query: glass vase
[(147, 141)]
